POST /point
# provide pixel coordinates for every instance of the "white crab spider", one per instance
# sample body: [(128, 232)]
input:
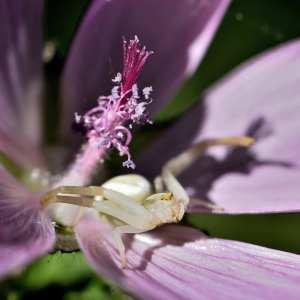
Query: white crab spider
[(127, 201)]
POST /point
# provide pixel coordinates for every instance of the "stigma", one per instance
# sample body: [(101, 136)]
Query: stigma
[(108, 124)]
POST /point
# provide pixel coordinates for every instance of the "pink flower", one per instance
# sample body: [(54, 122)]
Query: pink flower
[(173, 262)]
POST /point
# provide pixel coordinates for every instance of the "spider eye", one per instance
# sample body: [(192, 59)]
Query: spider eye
[(165, 207)]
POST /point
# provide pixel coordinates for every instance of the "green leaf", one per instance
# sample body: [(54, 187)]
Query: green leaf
[(58, 268), (63, 276), (96, 291)]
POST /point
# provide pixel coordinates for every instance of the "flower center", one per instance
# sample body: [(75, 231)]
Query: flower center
[(106, 126)]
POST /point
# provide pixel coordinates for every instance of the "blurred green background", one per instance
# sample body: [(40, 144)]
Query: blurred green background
[(249, 27)]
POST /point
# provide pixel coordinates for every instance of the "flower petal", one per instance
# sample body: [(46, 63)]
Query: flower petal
[(20, 79), (177, 262), (187, 28), (262, 99), (25, 232)]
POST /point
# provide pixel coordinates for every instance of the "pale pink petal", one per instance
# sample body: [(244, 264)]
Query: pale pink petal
[(177, 262), (178, 31), (20, 79), (262, 99), (25, 232)]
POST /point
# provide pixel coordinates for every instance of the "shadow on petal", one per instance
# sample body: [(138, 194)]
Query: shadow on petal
[(199, 179)]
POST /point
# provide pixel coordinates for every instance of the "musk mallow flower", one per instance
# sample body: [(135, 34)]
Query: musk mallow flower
[(173, 262)]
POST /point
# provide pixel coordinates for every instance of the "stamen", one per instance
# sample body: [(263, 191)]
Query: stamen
[(106, 125)]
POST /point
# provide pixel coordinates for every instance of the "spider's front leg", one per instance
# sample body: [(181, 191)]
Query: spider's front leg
[(176, 165), (179, 163), (76, 195), (173, 185)]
